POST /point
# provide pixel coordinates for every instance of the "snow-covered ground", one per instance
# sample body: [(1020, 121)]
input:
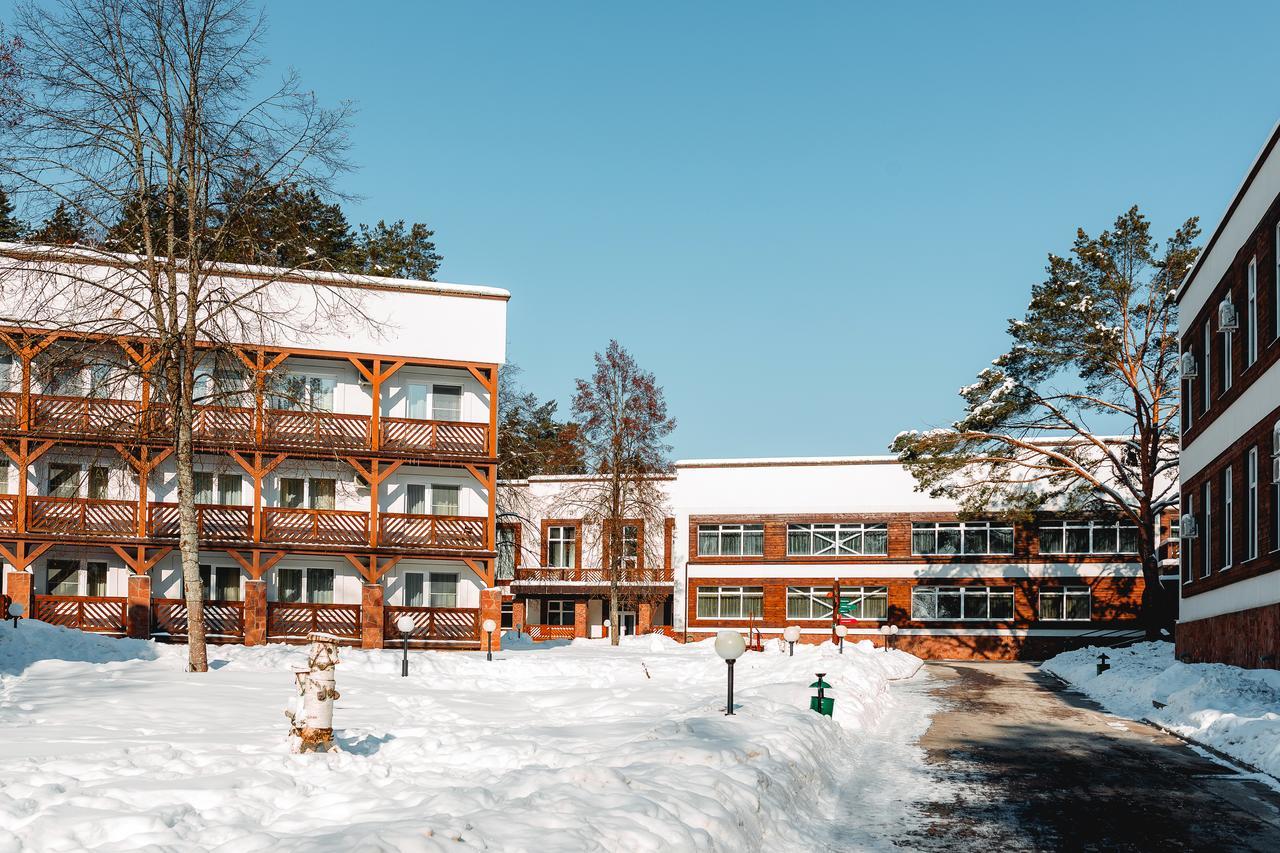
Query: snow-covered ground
[(110, 745), (1235, 711)]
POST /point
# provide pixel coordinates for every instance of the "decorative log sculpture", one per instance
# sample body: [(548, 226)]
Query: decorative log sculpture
[(311, 718)]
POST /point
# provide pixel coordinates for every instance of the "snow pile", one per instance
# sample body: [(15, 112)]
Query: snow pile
[(1235, 711), (111, 745)]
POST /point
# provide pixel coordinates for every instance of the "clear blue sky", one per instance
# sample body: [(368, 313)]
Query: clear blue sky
[(810, 220)]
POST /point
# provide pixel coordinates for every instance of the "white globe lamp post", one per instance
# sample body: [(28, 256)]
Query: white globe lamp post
[(791, 634), (489, 627), (730, 646), (405, 626), (841, 631), (887, 631)]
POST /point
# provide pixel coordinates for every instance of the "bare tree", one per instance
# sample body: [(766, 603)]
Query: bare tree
[(1097, 350), (622, 426), (150, 110)]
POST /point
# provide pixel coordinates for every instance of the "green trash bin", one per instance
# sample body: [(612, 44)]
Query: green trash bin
[(822, 703)]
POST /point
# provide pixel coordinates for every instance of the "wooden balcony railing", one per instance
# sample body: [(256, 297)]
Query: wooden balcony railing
[(10, 410), (77, 416), (433, 623), (9, 513), (591, 576), (443, 437), (286, 620), (88, 613), (539, 633), (217, 523), (223, 620), (315, 526), (223, 425), (82, 516), (315, 429), (442, 531)]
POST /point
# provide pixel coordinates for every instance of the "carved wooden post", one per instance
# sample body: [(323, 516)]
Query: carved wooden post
[(311, 718)]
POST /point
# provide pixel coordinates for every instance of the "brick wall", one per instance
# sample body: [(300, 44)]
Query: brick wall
[(1247, 638)]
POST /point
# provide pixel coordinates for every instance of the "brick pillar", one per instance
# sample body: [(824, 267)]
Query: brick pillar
[(491, 608), (644, 618), (137, 623), (580, 618), (17, 585), (517, 615), (255, 613), (371, 616)]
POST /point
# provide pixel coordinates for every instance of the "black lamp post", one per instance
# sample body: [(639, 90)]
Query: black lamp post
[(730, 646), (15, 612), (406, 626), (489, 627)]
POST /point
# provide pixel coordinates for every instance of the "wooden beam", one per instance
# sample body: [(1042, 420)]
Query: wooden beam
[(485, 571), (22, 556), (140, 562), (256, 567)]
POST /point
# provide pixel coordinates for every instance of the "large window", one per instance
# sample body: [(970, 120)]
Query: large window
[(217, 488), (961, 538), (1088, 537), (1067, 603), (827, 540), (64, 480), (864, 602), (320, 586), (950, 603), (808, 602), (630, 542), (292, 492), (322, 493), (312, 585), (302, 392), (62, 577), (446, 402), (562, 546), (221, 583), (95, 576), (1251, 320), (289, 585), (444, 499), (559, 612), (444, 589), (507, 546), (1251, 504), (99, 482), (414, 591), (730, 540), (730, 602)]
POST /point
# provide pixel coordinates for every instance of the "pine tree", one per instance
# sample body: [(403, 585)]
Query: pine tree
[(400, 252), (1098, 343), (11, 228), (64, 227)]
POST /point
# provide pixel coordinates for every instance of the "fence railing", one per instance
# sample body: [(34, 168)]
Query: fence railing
[(217, 522), (291, 620), (223, 620), (315, 526), (444, 437), (9, 513), (443, 531), (77, 416), (82, 516), (549, 632), (591, 576), (101, 615), (433, 623), (285, 428)]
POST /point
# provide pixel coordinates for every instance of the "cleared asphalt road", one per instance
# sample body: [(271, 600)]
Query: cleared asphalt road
[(1017, 761)]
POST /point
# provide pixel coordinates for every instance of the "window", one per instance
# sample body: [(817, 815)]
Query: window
[(1068, 603), (444, 590), (1227, 337), (1187, 417), (1088, 537), (444, 500), (64, 480), (1206, 529), (220, 387), (323, 492), (303, 392), (100, 376), (507, 546), (289, 585), (1251, 320), (1185, 546), (62, 577), (99, 480), (730, 602), (1251, 504), (227, 586), (508, 614), (950, 603), (828, 540), (559, 612), (562, 546), (808, 602), (415, 499), (730, 540), (957, 537), (292, 490), (95, 576), (1207, 388), (320, 586), (229, 486), (204, 486), (864, 602), (1275, 485), (413, 590), (446, 402), (1228, 520), (629, 542)]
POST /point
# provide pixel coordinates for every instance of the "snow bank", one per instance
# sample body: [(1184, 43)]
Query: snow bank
[(112, 745), (1235, 711)]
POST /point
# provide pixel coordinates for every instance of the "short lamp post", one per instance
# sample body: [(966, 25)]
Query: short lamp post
[(15, 612), (791, 634), (405, 626), (841, 631), (489, 627), (888, 631), (730, 646), (1103, 666)]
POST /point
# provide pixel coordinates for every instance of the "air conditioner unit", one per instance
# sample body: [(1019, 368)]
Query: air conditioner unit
[(1190, 367), (1187, 527), (1227, 320)]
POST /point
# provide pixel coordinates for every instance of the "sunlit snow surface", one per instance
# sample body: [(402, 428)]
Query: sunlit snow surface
[(110, 745)]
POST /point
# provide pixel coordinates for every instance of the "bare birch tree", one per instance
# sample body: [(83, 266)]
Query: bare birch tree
[(155, 110), (622, 427), (1096, 351)]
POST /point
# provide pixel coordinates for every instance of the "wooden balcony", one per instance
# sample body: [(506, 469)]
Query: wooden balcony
[(315, 526), (223, 620), (441, 531), (9, 513), (82, 517), (581, 577), (446, 438), (217, 523), (86, 416), (88, 613), (10, 410), (289, 429), (295, 620), (433, 624)]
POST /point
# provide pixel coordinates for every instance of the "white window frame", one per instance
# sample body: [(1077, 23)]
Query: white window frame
[(1096, 530), (860, 596), (563, 608), (963, 527), (835, 540), (438, 591), (1251, 504), (1061, 594), (1189, 394), (1206, 534), (1251, 333), (462, 396), (1207, 390), (1227, 365), (811, 602), (1228, 519), (964, 595), (568, 546), (717, 533), (743, 595)]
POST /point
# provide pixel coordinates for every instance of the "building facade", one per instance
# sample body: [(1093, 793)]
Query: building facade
[(759, 545), (1229, 328), (341, 482)]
